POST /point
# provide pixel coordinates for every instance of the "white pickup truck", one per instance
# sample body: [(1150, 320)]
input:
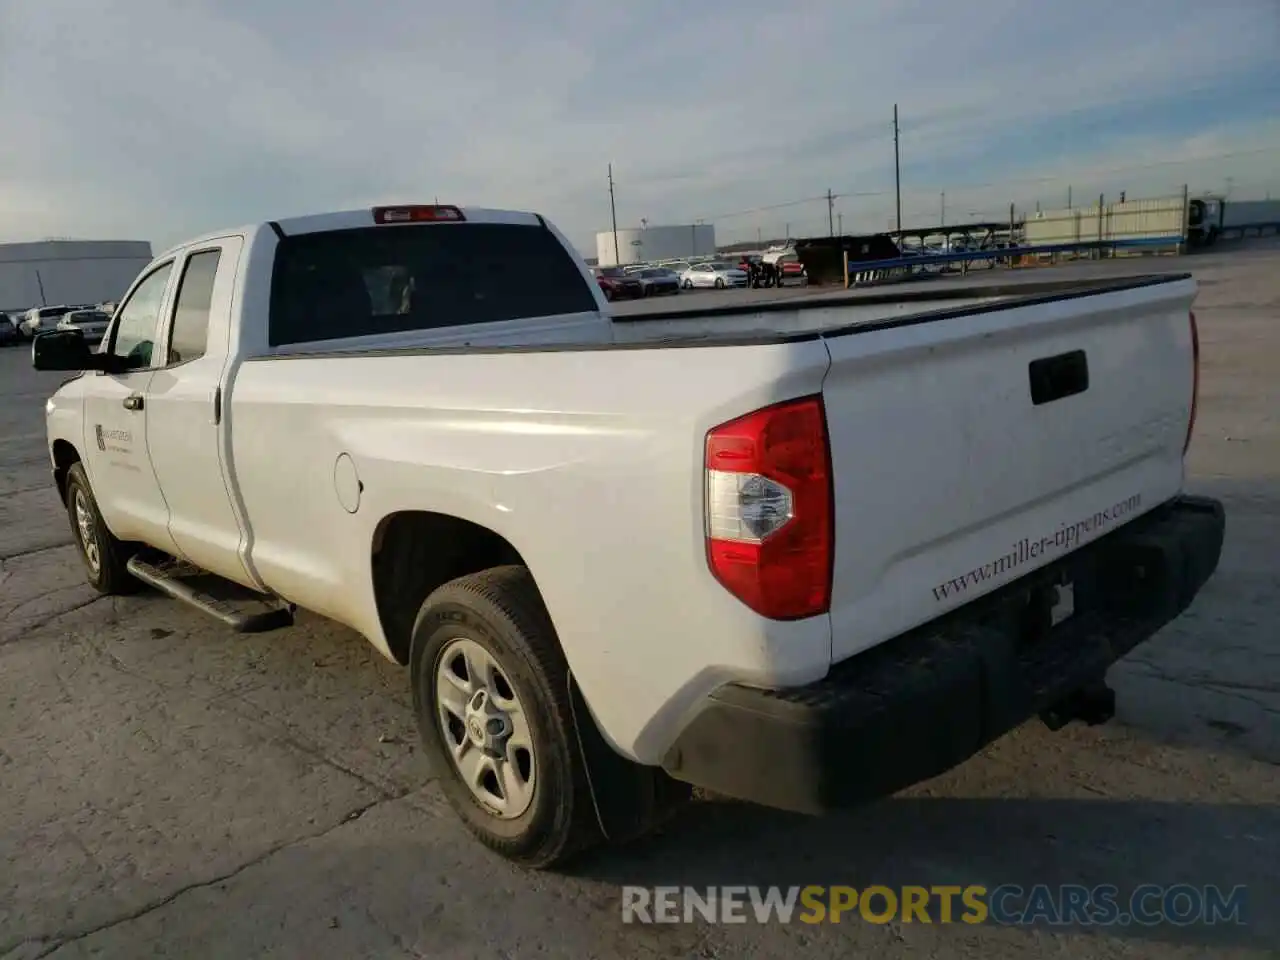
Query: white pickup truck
[(804, 552)]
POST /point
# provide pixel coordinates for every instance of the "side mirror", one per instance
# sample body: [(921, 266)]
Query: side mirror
[(66, 350)]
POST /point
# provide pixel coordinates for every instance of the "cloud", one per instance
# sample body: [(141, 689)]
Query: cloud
[(162, 118)]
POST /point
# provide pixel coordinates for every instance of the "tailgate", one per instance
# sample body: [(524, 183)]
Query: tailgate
[(951, 479)]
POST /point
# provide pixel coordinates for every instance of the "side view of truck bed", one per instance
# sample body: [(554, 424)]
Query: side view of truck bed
[(598, 543)]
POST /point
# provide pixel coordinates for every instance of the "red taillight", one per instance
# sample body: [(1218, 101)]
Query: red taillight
[(769, 518), (1195, 381), (432, 213)]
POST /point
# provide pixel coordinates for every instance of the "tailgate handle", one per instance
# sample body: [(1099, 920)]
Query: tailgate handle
[(1053, 378)]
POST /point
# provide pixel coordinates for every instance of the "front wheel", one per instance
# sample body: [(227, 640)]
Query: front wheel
[(719, 283), (104, 556), (491, 694), (688, 284)]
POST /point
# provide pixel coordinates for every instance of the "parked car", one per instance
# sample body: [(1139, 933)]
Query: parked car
[(714, 274), (92, 324), (39, 319), (658, 281), (9, 335), (738, 549), (616, 284)]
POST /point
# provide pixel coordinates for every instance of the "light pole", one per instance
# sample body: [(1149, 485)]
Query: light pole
[(613, 210)]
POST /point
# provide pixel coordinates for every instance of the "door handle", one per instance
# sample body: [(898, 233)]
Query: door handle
[(133, 401)]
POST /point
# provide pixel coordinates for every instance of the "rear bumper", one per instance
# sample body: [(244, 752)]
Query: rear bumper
[(922, 703)]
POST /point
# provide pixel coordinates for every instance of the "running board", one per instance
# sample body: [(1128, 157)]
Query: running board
[(241, 609)]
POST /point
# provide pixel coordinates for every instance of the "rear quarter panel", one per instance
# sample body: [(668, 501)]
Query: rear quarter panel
[(588, 462)]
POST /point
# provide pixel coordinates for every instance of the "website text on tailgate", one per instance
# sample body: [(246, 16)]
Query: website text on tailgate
[(1062, 540)]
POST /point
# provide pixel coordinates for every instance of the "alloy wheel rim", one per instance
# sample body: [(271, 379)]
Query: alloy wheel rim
[(485, 728), (86, 530)]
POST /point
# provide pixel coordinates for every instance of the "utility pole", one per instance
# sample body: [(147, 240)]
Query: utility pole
[(942, 219), (613, 210), (840, 222), (831, 212), (897, 176), (1068, 196)]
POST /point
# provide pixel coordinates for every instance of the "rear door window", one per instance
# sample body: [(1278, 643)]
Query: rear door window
[(189, 337), (393, 279)]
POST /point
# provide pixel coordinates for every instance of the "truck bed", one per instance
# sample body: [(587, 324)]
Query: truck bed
[(800, 313)]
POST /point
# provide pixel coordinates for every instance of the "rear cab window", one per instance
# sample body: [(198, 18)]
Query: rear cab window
[(375, 280)]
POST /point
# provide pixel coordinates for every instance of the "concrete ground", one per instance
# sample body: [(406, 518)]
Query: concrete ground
[(170, 789)]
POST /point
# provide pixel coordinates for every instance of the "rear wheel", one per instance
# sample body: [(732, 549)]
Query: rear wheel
[(491, 693), (104, 556), (719, 283)]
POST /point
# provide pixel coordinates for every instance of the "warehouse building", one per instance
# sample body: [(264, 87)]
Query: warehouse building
[(647, 244), (51, 272)]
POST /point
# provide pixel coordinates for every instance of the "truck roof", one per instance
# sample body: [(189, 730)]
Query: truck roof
[(350, 219)]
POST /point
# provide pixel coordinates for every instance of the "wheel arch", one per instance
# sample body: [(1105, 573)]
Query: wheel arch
[(65, 456), (415, 551)]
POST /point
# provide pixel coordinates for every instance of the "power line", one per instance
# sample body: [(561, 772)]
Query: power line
[(954, 187), (1091, 172)]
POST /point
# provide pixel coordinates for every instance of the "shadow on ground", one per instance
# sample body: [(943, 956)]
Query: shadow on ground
[(928, 841)]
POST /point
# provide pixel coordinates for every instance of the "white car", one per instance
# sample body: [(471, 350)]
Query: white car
[(41, 319), (714, 274), (802, 553), (92, 324)]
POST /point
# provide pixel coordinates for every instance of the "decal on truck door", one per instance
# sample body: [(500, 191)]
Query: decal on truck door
[(115, 441)]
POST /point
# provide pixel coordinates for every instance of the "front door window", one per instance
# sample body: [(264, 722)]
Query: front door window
[(135, 334)]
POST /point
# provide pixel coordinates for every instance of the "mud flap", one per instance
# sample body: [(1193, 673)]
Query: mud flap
[(629, 798)]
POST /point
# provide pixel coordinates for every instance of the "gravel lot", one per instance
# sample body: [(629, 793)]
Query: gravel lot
[(171, 789)]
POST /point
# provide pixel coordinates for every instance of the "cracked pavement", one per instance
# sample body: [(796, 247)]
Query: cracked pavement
[(168, 788)]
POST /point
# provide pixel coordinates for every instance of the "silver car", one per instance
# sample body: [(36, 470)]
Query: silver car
[(715, 274), (92, 324)]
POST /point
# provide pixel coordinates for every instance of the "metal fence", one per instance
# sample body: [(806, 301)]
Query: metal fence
[(905, 268)]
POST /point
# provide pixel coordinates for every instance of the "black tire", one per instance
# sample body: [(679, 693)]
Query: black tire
[(501, 611), (109, 575), (719, 283)]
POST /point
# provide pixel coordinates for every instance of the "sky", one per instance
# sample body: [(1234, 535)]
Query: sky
[(162, 119)]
